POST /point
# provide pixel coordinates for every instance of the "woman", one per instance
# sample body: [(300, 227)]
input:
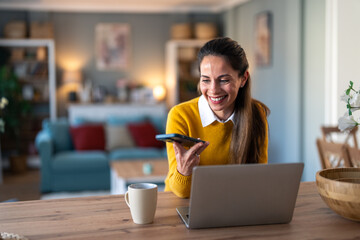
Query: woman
[(233, 124)]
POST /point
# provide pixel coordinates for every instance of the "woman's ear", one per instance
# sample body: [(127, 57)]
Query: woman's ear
[(244, 78)]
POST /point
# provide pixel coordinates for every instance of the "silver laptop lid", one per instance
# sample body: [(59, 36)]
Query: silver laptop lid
[(248, 194)]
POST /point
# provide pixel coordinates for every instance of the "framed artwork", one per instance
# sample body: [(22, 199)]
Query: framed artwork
[(112, 46), (263, 39)]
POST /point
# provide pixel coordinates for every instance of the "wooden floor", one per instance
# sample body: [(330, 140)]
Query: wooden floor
[(20, 187)]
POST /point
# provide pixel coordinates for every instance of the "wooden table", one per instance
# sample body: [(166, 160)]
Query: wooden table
[(131, 171), (108, 217)]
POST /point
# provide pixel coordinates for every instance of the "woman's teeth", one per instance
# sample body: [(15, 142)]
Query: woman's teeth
[(217, 99)]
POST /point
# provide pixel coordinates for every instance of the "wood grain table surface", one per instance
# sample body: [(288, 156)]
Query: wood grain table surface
[(108, 217)]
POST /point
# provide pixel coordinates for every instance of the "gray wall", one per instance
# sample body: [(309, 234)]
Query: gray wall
[(278, 85), (149, 33), (293, 85)]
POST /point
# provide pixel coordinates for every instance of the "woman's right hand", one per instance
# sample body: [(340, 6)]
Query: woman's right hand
[(187, 159)]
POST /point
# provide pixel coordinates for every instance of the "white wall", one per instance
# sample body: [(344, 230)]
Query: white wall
[(348, 47)]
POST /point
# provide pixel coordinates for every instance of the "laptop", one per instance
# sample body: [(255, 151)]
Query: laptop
[(242, 194)]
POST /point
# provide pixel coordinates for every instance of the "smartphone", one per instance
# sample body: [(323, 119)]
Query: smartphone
[(175, 137)]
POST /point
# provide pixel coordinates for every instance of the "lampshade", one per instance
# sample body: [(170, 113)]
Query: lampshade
[(73, 76)]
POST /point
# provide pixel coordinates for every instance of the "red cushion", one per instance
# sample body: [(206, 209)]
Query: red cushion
[(88, 137), (144, 134)]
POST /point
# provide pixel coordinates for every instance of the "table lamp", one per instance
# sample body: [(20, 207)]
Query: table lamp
[(72, 77)]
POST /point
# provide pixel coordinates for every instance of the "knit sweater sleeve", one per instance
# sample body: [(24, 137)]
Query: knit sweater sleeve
[(177, 183)]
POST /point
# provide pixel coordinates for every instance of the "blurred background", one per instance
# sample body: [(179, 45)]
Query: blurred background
[(76, 54)]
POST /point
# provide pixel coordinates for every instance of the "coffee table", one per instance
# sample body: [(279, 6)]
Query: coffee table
[(126, 172)]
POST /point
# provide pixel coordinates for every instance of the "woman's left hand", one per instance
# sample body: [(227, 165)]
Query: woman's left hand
[(187, 159)]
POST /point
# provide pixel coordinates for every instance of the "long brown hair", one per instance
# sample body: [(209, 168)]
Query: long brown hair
[(249, 131)]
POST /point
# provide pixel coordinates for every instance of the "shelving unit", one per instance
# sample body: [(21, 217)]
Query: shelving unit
[(37, 72), (33, 62), (182, 70)]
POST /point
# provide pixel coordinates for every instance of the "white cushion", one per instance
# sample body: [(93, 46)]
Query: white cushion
[(118, 137)]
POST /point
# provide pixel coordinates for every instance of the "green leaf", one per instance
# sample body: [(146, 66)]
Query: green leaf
[(348, 91), (351, 84), (350, 113)]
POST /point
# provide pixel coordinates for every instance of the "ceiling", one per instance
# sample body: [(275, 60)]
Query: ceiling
[(128, 6)]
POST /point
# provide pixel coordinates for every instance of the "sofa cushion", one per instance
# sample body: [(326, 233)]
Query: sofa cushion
[(124, 120), (85, 161), (133, 153), (164, 153), (60, 134), (144, 134), (85, 121), (88, 137), (159, 123), (118, 137)]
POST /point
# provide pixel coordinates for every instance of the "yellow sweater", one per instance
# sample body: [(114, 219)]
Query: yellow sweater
[(185, 119)]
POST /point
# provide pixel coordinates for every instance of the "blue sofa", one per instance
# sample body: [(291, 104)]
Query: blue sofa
[(65, 169)]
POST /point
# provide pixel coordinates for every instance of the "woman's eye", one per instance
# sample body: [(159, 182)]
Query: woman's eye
[(205, 80), (224, 80)]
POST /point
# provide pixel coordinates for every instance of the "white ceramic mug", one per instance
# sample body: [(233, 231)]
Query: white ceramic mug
[(142, 200)]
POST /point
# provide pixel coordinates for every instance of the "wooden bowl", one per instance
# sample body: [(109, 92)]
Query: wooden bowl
[(340, 190)]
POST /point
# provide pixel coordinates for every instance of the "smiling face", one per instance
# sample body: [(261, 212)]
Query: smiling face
[(219, 84)]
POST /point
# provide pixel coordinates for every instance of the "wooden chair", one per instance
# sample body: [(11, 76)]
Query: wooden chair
[(332, 154), (329, 132), (353, 155)]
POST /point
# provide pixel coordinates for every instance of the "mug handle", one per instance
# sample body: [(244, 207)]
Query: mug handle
[(127, 198)]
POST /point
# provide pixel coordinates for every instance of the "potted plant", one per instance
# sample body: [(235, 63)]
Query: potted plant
[(17, 108)]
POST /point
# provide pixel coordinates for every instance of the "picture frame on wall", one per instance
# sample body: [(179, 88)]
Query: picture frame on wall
[(112, 42), (263, 39)]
